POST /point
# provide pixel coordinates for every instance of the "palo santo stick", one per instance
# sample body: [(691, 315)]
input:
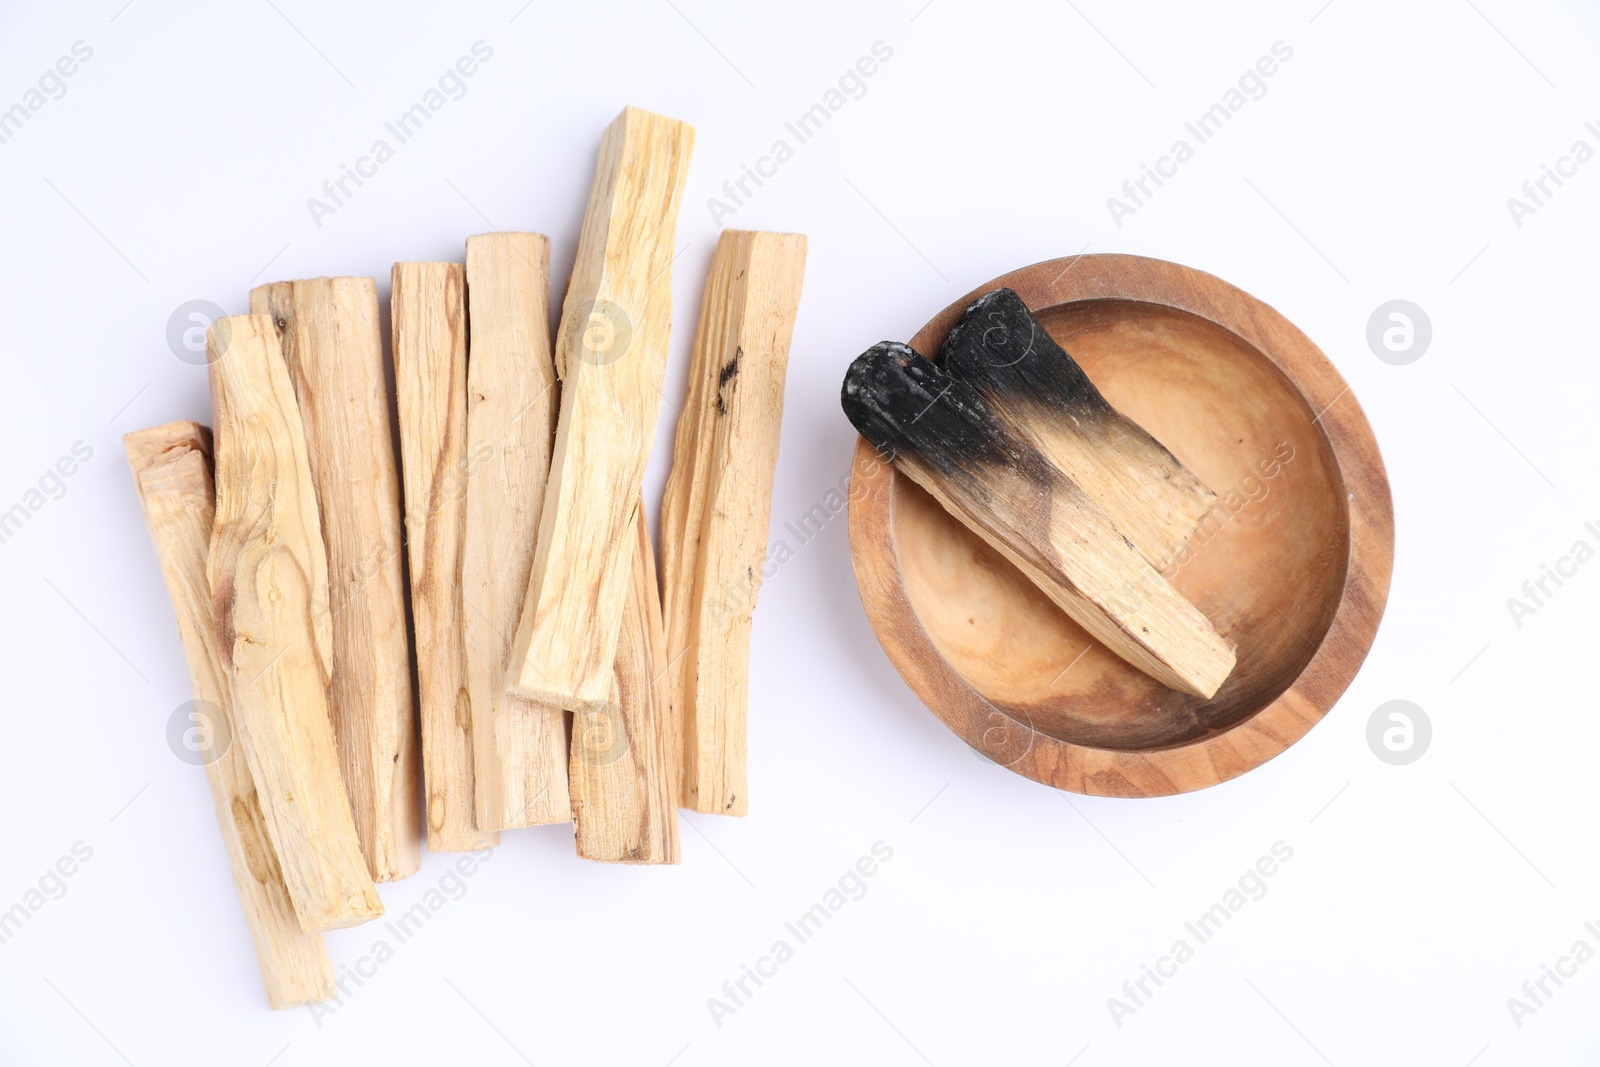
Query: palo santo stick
[(267, 569), (429, 312), (519, 747), (718, 500), (172, 469), (611, 353), (624, 798), (334, 353), (1034, 385), (941, 434)]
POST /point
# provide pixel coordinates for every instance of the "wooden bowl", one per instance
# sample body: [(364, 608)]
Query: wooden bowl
[(1293, 565)]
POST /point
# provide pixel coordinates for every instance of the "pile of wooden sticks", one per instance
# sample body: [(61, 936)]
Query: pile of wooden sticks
[(556, 678)]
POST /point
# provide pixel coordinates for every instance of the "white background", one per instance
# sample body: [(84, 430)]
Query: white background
[(1377, 166)]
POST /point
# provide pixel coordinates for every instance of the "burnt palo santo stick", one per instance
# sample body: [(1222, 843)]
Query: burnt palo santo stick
[(941, 434), (1030, 382), (172, 469)]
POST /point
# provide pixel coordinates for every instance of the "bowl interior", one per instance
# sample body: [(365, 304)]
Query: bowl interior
[(1267, 566)]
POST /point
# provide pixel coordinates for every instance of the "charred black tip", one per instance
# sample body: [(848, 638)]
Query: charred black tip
[(905, 404), (1009, 356), (871, 377), (996, 329)]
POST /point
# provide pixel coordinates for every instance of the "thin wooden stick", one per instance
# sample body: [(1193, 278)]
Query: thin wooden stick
[(334, 352), (429, 312), (718, 500), (624, 798), (267, 569), (519, 747), (943, 436), (172, 469), (611, 354)]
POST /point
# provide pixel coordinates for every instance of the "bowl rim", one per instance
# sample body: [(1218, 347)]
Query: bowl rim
[(1000, 734)]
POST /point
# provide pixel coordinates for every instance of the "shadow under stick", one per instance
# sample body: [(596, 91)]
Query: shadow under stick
[(1031, 383), (624, 798), (942, 435), (429, 312), (172, 469), (611, 354), (718, 500), (267, 569), (334, 352), (519, 746)]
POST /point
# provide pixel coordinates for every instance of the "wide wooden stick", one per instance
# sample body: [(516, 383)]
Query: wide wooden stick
[(334, 352), (172, 469), (611, 353), (429, 312), (267, 569), (519, 747), (999, 348), (624, 798), (718, 500), (943, 436)]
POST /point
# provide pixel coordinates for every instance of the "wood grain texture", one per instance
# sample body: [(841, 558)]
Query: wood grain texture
[(519, 746), (172, 470), (334, 352), (611, 353), (1293, 564), (624, 796), (1003, 352), (267, 571), (943, 436), (428, 309), (718, 500)]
